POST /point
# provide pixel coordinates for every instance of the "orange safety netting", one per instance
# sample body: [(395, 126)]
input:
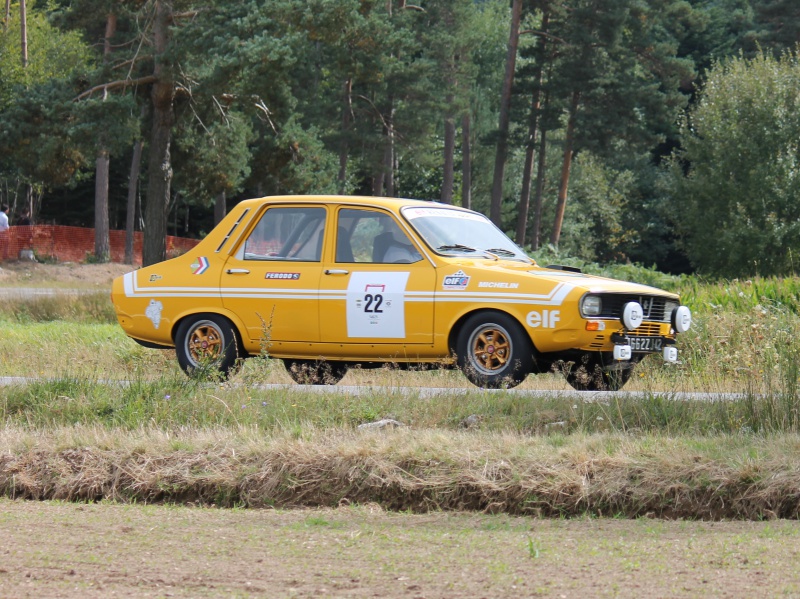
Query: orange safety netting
[(75, 244)]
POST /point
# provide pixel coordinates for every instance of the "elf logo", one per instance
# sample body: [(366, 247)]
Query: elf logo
[(458, 281), (547, 319)]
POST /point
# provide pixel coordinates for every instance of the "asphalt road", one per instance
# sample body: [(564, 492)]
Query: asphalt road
[(31, 292), (435, 392)]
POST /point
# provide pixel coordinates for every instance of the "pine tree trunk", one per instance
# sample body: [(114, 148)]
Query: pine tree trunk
[(527, 172), (538, 198), (220, 208), (130, 211), (388, 166), (448, 175), (466, 162), (101, 245), (384, 177), (160, 166), (7, 17), (344, 148), (566, 165), (533, 125), (23, 28), (388, 156), (495, 212)]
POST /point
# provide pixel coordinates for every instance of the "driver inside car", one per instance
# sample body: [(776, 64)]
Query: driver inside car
[(393, 247)]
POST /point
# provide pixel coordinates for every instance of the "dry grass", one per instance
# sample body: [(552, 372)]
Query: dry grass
[(165, 438), (609, 475)]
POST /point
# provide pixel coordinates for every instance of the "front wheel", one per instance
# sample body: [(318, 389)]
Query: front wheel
[(493, 351), (206, 343), (315, 372), (596, 371)]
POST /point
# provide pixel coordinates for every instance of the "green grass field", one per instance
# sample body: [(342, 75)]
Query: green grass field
[(115, 402)]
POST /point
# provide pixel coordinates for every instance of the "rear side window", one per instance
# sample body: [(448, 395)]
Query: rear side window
[(287, 233)]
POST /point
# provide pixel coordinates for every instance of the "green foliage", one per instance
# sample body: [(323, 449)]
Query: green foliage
[(738, 205), (600, 197), (35, 135), (52, 54), (304, 96), (216, 156), (741, 296), (635, 273)]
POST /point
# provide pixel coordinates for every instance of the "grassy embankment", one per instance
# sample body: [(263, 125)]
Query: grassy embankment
[(161, 436)]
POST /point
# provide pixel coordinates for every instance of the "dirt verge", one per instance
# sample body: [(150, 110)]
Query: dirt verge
[(87, 551), (67, 274)]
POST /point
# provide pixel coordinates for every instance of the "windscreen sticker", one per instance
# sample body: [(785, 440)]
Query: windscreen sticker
[(412, 213), (376, 305)]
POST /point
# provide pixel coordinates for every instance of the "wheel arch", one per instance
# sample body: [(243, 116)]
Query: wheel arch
[(459, 324)]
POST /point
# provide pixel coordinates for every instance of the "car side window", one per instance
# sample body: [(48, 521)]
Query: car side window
[(286, 233), (370, 236)]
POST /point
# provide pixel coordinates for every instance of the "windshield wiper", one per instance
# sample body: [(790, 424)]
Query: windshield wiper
[(456, 246), (501, 252)]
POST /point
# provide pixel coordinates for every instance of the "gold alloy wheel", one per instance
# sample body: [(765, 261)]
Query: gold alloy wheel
[(491, 348), (204, 342)]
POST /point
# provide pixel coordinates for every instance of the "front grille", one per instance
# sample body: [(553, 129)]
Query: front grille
[(648, 329), (652, 305)]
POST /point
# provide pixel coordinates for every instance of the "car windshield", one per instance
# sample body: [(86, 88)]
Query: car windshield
[(458, 232)]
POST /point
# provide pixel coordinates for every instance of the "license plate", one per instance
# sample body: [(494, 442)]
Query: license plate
[(646, 344)]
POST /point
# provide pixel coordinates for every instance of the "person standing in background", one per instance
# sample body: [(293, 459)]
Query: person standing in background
[(3, 230)]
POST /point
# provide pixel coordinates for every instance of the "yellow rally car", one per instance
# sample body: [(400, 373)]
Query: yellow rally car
[(330, 282)]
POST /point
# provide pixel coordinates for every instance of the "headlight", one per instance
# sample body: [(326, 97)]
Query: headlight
[(591, 305)]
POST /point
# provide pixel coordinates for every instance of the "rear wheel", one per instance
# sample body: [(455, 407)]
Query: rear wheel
[(315, 372), (493, 351), (597, 371), (207, 343)]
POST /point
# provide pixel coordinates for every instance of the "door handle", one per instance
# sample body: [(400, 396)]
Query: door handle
[(237, 271), (336, 271)]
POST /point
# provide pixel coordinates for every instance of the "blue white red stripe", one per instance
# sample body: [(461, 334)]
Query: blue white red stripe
[(201, 265)]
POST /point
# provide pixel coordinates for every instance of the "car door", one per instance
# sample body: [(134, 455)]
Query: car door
[(271, 281), (378, 289)]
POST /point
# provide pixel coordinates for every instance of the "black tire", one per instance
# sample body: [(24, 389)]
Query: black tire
[(208, 343), (315, 372), (493, 351), (596, 371)]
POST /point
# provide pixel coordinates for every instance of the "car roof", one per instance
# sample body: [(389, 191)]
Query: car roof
[(392, 203)]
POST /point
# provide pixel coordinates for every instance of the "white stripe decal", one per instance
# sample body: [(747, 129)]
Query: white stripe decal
[(556, 296), (128, 281)]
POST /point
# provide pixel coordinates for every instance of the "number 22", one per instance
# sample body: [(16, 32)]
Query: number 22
[(377, 298)]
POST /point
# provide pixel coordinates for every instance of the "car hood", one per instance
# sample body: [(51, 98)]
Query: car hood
[(503, 271)]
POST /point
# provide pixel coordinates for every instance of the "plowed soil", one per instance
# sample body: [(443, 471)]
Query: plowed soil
[(78, 550)]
